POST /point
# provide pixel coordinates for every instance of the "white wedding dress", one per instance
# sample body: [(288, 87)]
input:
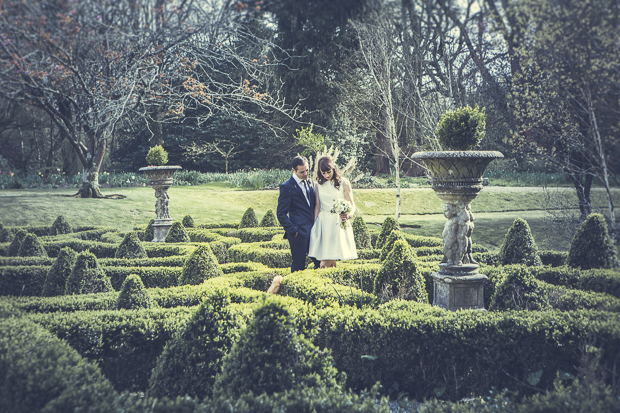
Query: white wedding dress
[(328, 240)]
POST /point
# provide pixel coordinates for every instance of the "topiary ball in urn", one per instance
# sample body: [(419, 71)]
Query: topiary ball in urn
[(157, 156), (462, 129)]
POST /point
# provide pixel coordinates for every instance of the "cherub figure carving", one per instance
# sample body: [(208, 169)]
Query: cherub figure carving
[(454, 234), (161, 204)]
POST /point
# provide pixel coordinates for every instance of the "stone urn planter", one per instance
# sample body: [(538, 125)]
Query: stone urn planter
[(160, 178), (457, 178)]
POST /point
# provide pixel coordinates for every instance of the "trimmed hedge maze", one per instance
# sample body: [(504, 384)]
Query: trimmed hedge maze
[(170, 334)]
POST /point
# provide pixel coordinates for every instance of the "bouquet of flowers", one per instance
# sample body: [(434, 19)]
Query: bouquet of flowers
[(341, 207)]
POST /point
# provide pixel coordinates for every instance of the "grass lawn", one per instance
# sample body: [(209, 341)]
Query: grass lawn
[(494, 209)]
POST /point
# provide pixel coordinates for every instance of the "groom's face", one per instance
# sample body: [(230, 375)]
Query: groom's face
[(302, 171)]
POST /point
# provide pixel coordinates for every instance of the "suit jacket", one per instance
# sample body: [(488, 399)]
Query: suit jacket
[(293, 212)]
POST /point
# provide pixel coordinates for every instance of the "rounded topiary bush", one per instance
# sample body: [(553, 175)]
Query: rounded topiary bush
[(157, 156), (519, 246), (133, 295), (130, 247), (271, 356), (191, 360), (5, 234), (32, 247), (519, 290), (87, 276), (16, 243), (149, 232), (177, 233), (58, 273), (389, 224), (249, 219), (395, 235), (360, 234), (269, 220), (188, 221), (42, 373), (399, 275), (591, 246), (461, 129), (61, 226), (200, 266)]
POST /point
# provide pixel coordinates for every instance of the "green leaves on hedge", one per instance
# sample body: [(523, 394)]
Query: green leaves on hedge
[(200, 266), (130, 247), (61, 226), (87, 276), (248, 219), (269, 220), (32, 247), (461, 129), (519, 246), (360, 233), (592, 247), (388, 225), (177, 233), (58, 273), (133, 295)]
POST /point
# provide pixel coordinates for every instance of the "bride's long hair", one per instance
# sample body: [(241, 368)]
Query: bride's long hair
[(325, 164)]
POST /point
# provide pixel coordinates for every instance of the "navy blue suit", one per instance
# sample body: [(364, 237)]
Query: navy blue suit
[(297, 218)]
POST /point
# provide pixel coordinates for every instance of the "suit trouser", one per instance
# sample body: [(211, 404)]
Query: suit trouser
[(299, 249)]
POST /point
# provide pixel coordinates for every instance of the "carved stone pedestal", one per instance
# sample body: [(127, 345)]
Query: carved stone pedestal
[(160, 178), (464, 292)]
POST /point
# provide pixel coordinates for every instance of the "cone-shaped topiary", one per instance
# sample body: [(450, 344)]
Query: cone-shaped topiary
[(272, 356), (61, 226), (149, 232), (32, 247), (15, 245), (519, 246), (177, 233), (87, 276), (191, 360), (394, 236), (360, 233), (269, 220), (249, 219), (200, 266), (399, 275), (188, 221), (157, 156), (519, 291), (130, 247), (592, 247), (58, 273), (386, 228), (5, 234), (133, 295), (461, 129)]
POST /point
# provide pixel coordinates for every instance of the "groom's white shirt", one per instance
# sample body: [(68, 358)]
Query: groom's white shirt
[(303, 188)]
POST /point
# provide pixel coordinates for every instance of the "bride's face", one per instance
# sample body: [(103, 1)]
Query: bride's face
[(328, 175)]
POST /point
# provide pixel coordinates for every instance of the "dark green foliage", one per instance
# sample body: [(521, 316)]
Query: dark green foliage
[(200, 266), (519, 290), (191, 360), (188, 221), (301, 399), (461, 129), (61, 226), (130, 247), (87, 276), (553, 258), (5, 234), (592, 247), (59, 273), (360, 233), (386, 228), (16, 243), (395, 235), (399, 275), (271, 356), (269, 220), (133, 295), (177, 233), (43, 373), (32, 247), (156, 156), (519, 246), (249, 219), (149, 233)]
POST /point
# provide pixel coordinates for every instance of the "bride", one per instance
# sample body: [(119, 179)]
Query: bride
[(331, 238)]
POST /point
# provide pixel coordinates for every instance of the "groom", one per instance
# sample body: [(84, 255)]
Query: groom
[(296, 212)]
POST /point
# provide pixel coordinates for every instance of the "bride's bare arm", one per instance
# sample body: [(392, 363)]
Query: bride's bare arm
[(317, 204), (348, 195)]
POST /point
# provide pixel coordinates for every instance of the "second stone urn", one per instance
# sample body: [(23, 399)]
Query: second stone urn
[(160, 178), (457, 178)]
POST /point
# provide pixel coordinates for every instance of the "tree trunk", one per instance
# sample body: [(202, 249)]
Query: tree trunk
[(90, 184), (382, 163), (583, 194)]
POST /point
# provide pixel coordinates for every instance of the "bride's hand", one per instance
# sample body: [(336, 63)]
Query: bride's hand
[(345, 217)]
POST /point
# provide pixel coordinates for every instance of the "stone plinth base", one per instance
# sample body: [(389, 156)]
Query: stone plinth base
[(454, 292), (160, 229)]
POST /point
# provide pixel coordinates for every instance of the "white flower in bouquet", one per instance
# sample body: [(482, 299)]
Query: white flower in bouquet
[(341, 207)]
